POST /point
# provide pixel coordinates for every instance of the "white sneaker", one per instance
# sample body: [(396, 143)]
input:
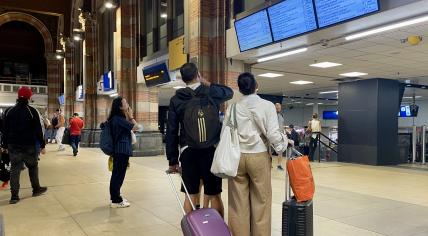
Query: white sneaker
[(123, 204), (61, 149)]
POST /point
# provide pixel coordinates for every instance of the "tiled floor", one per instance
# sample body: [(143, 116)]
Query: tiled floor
[(350, 200)]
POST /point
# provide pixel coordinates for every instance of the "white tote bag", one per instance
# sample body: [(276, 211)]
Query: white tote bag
[(228, 153)]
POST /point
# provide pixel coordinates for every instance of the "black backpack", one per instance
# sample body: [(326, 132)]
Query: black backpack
[(201, 121)]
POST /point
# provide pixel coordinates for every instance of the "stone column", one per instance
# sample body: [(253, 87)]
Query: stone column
[(91, 72), (54, 81), (128, 68), (206, 37), (69, 91)]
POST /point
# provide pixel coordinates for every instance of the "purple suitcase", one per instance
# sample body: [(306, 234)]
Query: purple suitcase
[(201, 222)]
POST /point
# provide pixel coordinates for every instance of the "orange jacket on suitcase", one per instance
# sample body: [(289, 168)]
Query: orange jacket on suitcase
[(301, 179)]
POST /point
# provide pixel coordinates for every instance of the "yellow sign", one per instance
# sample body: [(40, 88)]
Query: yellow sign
[(177, 57)]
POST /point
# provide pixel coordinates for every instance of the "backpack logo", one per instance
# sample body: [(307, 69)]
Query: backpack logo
[(202, 127)]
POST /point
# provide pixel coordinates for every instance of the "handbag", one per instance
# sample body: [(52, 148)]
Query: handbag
[(301, 178), (228, 153), (66, 137)]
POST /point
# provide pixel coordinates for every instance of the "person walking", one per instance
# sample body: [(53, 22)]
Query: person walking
[(60, 130), (76, 126), (250, 192), (122, 123), (314, 128), (21, 127), (193, 131), (281, 124), (53, 128)]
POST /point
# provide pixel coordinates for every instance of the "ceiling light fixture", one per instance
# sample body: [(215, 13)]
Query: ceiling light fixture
[(284, 54), (163, 15), (309, 104), (77, 38), (353, 74), (301, 82), (387, 28), (270, 75), (59, 57), (329, 92), (179, 87), (320, 103), (114, 95), (416, 97), (325, 64), (109, 5)]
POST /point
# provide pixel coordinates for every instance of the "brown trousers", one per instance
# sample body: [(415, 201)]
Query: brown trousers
[(250, 196)]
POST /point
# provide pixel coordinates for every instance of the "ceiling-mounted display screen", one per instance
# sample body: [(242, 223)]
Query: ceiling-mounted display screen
[(292, 17), (156, 75), (331, 12), (253, 31), (408, 111)]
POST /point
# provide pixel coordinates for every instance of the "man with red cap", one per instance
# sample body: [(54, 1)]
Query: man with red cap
[(21, 131)]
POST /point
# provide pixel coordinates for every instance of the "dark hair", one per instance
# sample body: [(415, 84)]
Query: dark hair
[(115, 108), (315, 116), (22, 101), (188, 72), (76, 114), (247, 83), (58, 109), (291, 126)]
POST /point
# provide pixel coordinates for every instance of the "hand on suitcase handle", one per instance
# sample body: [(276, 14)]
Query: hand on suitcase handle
[(174, 169)]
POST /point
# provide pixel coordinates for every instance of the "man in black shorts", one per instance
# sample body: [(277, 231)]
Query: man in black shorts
[(196, 161)]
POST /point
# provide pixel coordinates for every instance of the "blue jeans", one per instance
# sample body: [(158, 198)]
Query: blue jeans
[(74, 142)]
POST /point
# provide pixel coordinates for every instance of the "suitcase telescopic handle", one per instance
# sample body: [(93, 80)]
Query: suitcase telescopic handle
[(174, 189)]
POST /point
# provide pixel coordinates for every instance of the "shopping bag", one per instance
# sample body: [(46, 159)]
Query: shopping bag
[(228, 153), (66, 137), (110, 164), (301, 179)]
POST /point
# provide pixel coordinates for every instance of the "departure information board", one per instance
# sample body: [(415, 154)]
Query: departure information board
[(331, 12), (292, 17), (253, 31)]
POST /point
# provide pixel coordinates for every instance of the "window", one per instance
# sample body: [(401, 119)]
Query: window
[(159, 22), (240, 6)]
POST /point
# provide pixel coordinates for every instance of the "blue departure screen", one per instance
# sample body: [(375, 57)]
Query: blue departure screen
[(330, 12), (330, 115), (292, 17), (253, 31)]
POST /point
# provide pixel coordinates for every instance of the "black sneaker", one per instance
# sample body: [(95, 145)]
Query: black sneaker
[(14, 200), (40, 191)]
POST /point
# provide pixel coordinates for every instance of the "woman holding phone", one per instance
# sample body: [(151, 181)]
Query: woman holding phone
[(122, 124)]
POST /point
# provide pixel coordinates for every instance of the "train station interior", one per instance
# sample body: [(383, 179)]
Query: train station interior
[(361, 66)]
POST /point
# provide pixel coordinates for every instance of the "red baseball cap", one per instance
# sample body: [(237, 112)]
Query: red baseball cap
[(25, 92)]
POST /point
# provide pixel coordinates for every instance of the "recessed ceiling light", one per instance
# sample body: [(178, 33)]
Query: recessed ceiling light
[(77, 38), (388, 27), (298, 102), (328, 92), (78, 30), (59, 57), (309, 104), (164, 15), (270, 75), (412, 97), (178, 87), (284, 54), (320, 103), (301, 82), (109, 5), (325, 64), (353, 74)]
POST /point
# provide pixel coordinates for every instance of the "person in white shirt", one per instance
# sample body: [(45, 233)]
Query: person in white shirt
[(314, 127), (257, 126), (281, 124)]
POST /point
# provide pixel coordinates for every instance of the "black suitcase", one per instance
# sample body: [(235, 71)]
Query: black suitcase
[(297, 217)]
